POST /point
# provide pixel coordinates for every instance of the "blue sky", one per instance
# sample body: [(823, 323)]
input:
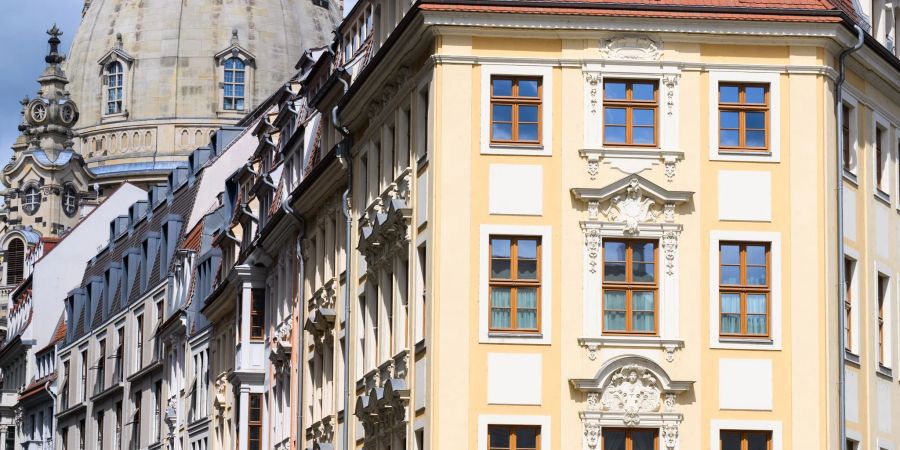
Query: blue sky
[(23, 29)]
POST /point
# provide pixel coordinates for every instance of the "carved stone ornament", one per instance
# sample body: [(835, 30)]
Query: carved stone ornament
[(670, 435), (593, 401), (593, 81), (632, 208), (670, 246), (671, 81), (592, 434), (633, 390), (592, 243), (630, 48)]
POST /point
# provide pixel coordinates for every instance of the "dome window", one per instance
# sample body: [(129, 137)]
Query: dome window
[(31, 200), (114, 76), (69, 201), (233, 86)]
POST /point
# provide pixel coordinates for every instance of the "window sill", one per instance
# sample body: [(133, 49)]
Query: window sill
[(851, 358), (851, 178), (516, 338), (884, 372), (737, 343), (648, 342), (516, 149), (883, 197), (743, 156), (112, 118)]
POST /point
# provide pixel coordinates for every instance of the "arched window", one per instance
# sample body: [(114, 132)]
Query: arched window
[(115, 77), (69, 201), (31, 199), (15, 261), (234, 84)]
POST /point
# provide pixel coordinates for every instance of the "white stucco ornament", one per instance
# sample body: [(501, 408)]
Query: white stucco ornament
[(632, 208), (633, 390), (631, 48)]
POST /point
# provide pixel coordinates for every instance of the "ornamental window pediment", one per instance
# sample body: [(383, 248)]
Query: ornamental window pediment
[(383, 411), (386, 233), (631, 391), (632, 202)]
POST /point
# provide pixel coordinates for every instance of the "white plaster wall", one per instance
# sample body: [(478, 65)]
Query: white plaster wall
[(422, 199), (882, 231), (849, 214), (61, 270), (514, 379), (516, 189), (884, 406), (745, 384), (745, 195), (421, 384), (851, 385)]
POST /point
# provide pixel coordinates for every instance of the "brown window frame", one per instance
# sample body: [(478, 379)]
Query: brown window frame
[(630, 104), (879, 159), (629, 286), (848, 304), (512, 436), (257, 314), (745, 434), (629, 443), (514, 283), (845, 136), (251, 424), (515, 101), (882, 283), (742, 108), (744, 289)]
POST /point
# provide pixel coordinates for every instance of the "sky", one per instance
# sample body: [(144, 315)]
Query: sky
[(23, 27), (23, 30)]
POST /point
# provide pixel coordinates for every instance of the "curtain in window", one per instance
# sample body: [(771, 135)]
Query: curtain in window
[(500, 308), (731, 313), (756, 314), (526, 309), (614, 311), (642, 311)]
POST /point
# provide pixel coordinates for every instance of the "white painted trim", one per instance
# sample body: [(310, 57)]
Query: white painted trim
[(773, 78), (774, 239), (854, 435), (854, 300), (496, 419), (884, 444), (546, 235), (882, 269), (879, 121), (667, 124), (716, 427), (545, 71), (854, 132)]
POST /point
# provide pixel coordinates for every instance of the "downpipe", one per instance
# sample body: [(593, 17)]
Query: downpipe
[(842, 283)]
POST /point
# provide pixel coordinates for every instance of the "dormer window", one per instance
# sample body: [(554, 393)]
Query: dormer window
[(31, 200), (114, 76), (234, 76), (234, 85)]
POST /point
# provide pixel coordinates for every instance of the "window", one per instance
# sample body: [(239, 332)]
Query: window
[(84, 373), (69, 201), (120, 355), (136, 423), (879, 160), (848, 304), (65, 438), (117, 444), (630, 112), (745, 440), (101, 368), (630, 439), (515, 284), (516, 110), (100, 415), (157, 412), (81, 430), (882, 296), (254, 423), (744, 289), (630, 286), (65, 386), (15, 261), (234, 84), (139, 341), (510, 437), (115, 75), (845, 136), (257, 314), (743, 117), (31, 199)]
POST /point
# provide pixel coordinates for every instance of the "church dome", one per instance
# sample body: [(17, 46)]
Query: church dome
[(153, 78)]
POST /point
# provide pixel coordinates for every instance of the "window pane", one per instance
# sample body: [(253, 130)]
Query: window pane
[(729, 138), (731, 303), (642, 439), (756, 304), (527, 113), (756, 276), (756, 255), (526, 437), (501, 248), (643, 117), (526, 308), (614, 313), (239, 77), (755, 138), (613, 251), (730, 275), (729, 119), (239, 104), (757, 441), (528, 132), (499, 437), (614, 116), (613, 439), (642, 135), (614, 134), (239, 90), (731, 440), (643, 252), (614, 91), (730, 254), (500, 307), (755, 120), (527, 248), (229, 76), (755, 94), (502, 113), (642, 91), (502, 131), (528, 88), (502, 87), (756, 324), (614, 271), (642, 318), (229, 90), (643, 272), (728, 94)]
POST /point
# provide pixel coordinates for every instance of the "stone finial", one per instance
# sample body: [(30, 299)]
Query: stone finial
[(119, 41), (234, 36), (54, 57)]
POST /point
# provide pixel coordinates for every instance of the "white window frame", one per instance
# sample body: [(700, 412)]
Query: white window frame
[(485, 420), (879, 121), (484, 302), (853, 104), (536, 70), (854, 300), (736, 76), (773, 342), (667, 77), (717, 426), (889, 299)]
